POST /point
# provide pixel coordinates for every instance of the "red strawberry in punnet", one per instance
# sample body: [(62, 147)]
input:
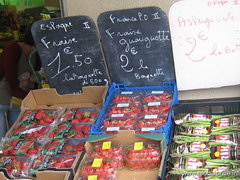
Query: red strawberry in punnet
[(143, 156)]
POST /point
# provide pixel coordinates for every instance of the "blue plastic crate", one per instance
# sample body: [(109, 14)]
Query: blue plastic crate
[(116, 88)]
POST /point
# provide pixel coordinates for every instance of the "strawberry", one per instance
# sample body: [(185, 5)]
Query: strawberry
[(40, 114), (32, 151), (58, 165), (48, 119), (147, 158), (74, 121)]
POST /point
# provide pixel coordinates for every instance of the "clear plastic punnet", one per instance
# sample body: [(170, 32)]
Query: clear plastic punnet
[(143, 156), (80, 115), (150, 122), (20, 147), (63, 146), (99, 167), (17, 166), (109, 151)]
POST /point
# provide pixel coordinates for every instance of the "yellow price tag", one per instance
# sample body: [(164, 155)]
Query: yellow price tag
[(138, 145), (203, 146), (92, 177), (217, 154), (106, 145), (217, 121), (97, 163)]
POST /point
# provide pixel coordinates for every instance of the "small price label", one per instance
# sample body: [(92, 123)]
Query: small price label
[(92, 177), (138, 145), (147, 129), (154, 116), (106, 145), (127, 92), (157, 92), (123, 105), (97, 163), (154, 103), (113, 129), (117, 115)]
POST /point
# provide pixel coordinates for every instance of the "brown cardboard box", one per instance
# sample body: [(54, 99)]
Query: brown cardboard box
[(126, 138), (92, 96), (45, 175)]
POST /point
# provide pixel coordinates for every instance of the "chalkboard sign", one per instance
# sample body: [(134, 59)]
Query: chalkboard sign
[(206, 44), (70, 52), (137, 46)]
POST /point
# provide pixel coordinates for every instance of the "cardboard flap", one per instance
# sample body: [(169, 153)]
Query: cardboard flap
[(53, 175), (49, 97)]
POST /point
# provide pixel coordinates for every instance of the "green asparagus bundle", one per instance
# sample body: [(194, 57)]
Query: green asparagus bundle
[(194, 166), (181, 139), (202, 177), (191, 150)]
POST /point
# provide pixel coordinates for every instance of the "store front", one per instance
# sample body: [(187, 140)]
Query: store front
[(16, 15)]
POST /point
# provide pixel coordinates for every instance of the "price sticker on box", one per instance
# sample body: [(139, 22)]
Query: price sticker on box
[(106, 145), (92, 177), (97, 162), (138, 145)]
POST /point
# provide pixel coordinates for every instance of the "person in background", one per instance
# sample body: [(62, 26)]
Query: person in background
[(16, 79)]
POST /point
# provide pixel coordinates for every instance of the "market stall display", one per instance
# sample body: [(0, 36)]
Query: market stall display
[(205, 145)]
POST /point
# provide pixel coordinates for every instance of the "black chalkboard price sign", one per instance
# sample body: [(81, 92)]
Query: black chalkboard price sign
[(70, 52), (137, 46)]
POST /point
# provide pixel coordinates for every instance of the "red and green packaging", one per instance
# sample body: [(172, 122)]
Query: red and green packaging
[(63, 146), (29, 132), (193, 150), (225, 152), (193, 131), (39, 117), (20, 147), (48, 161), (222, 140), (225, 120), (68, 114), (66, 130), (143, 156), (80, 115), (27, 116), (17, 166)]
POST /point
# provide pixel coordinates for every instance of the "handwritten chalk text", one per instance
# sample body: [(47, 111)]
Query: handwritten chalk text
[(160, 36), (158, 72), (58, 43), (75, 76), (52, 26)]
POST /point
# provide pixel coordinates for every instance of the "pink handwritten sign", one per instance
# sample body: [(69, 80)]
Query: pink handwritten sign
[(206, 43)]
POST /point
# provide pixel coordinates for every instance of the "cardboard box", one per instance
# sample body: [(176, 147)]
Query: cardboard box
[(44, 175), (126, 138), (92, 97)]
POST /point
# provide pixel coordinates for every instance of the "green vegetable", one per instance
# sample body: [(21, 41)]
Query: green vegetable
[(180, 139), (214, 117), (225, 130)]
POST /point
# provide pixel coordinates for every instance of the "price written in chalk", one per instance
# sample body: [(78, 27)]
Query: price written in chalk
[(137, 45), (70, 53)]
